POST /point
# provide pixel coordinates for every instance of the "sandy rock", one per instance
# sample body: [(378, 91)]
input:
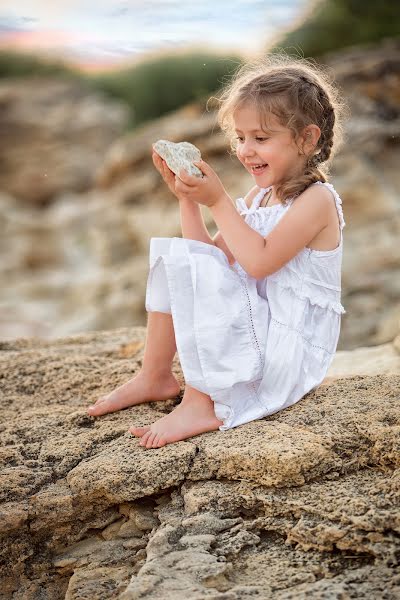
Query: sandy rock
[(179, 156), (370, 360), (303, 503)]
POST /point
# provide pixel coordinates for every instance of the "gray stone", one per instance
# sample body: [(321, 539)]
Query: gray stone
[(179, 156)]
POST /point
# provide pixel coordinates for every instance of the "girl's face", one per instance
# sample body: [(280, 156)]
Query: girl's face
[(275, 149)]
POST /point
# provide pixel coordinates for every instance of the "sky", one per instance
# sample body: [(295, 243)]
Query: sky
[(97, 34)]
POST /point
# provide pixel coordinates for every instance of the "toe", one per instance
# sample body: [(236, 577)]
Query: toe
[(92, 410), (156, 440), (150, 439), (100, 400), (145, 437), (101, 407), (139, 431), (94, 406), (162, 441)]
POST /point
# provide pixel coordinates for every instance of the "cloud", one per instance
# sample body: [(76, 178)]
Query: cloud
[(36, 40), (120, 11), (8, 23), (29, 19)]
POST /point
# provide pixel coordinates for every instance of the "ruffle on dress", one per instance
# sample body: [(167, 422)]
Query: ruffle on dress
[(338, 202), (320, 300), (316, 291), (253, 209), (244, 210)]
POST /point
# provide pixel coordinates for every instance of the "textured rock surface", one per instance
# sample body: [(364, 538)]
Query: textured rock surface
[(179, 156), (302, 504)]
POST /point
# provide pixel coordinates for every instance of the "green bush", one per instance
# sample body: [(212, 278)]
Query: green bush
[(158, 86), (18, 64), (335, 24), (151, 88)]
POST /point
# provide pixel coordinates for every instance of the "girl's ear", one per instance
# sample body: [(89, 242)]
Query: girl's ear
[(311, 135), (308, 139)]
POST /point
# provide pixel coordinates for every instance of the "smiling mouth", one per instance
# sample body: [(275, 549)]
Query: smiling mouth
[(258, 168)]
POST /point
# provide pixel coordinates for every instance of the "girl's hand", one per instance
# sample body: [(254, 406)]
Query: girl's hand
[(165, 172), (206, 190)]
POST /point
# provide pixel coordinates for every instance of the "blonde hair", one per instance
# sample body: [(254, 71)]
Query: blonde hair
[(299, 93)]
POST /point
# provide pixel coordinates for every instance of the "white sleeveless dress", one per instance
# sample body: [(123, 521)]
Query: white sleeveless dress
[(255, 346)]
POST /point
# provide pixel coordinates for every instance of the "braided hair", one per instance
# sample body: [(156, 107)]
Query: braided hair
[(299, 93)]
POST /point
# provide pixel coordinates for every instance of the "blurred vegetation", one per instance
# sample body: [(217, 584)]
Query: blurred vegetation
[(163, 83), (335, 24), (160, 85), (151, 88), (19, 64)]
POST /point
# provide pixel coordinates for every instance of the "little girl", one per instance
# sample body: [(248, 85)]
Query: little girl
[(254, 312)]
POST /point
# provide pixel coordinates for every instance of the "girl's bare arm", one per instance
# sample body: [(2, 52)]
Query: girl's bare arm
[(218, 238), (192, 222)]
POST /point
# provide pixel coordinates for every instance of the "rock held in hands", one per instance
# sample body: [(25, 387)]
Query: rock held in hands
[(179, 156)]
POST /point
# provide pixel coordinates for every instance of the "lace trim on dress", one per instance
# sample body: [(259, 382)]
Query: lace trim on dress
[(240, 202), (255, 205), (318, 300), (338, 201), (253, 210), (254, 335), (307, 341)]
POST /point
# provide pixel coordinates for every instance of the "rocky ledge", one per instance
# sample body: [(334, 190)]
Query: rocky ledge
[(301, 504)]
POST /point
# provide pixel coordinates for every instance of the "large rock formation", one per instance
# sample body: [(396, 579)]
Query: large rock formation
[(301, 504), (81, 263), (54, 133)]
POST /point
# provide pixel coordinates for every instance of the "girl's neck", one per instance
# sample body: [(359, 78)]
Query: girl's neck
[(269, 199)]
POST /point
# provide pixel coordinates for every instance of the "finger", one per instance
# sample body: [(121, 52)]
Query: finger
[(189, 180), (167, 169), (168, 174), (181, 185), (162, 167), (157, 161), (183, 174), (203, 166)]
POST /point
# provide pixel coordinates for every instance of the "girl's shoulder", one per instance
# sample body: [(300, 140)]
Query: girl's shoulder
[(332, 197), (320, 190)]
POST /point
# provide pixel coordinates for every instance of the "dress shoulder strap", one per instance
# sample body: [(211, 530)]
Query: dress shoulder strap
[(241, 204), (338, 201)]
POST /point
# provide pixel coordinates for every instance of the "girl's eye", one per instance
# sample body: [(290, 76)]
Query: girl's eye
[(259, 139)]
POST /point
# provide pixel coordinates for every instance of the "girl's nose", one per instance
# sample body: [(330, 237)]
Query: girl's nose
[(246, 149)]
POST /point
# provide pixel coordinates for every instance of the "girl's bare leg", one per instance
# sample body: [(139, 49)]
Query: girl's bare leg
[(155, 380), (194, 415)]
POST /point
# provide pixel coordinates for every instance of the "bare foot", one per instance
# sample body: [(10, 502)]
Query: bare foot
[(194, 415), (135, 391)]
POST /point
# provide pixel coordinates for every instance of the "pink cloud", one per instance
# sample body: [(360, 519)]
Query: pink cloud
[(37, 40)]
